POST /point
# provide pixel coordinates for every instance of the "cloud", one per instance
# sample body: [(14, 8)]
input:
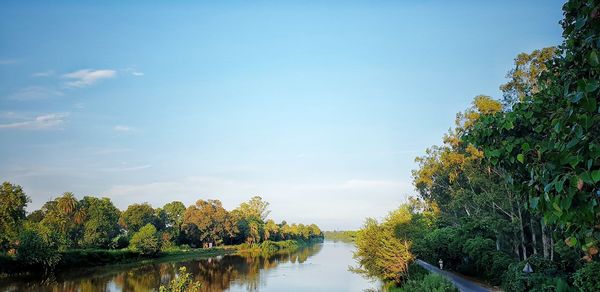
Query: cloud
[(87, 77), (43, 73), (34, 93), (121, 128), (43, 122), (133, 71)]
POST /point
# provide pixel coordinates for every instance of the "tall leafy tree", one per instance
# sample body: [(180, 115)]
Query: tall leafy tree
[(12, 212), (208, 222), (548, 144), (137, 216), (101, 221), (174, 216)]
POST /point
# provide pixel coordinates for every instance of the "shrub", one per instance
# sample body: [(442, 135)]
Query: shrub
[(496, 269), (183, 283), (96, 257), (119, 242), (33, 250), (416, 272), (544, 271), (146, 240), (431, 282), (588, 277)]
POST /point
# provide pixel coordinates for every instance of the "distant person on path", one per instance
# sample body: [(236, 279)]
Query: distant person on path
[(441, 264)]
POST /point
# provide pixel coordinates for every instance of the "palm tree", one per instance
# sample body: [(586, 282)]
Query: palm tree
[(67, 203)]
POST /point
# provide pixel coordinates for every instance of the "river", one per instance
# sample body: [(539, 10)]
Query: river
[(319, 267)]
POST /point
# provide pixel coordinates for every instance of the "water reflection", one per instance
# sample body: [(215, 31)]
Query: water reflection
[(216, 274)]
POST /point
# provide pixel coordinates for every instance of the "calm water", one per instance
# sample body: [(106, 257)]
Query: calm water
[(321, 267)]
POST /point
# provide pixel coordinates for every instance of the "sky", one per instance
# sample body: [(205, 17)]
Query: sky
[(319, 107)]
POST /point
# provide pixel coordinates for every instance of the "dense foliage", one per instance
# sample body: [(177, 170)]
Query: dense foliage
[(146, 240), (64, 224), (183, 283), (346, 236), (517, 180), (586, 278)]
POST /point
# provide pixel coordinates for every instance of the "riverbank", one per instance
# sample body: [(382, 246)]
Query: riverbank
[(89, 258)]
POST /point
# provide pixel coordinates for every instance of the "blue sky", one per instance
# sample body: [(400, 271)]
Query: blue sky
[(320, 107)]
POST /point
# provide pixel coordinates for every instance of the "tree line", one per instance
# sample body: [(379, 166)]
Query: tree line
[(517, 179), (68, 223)]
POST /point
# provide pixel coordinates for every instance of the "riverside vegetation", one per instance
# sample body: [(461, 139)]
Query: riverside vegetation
[(516, 181), (67, 232)]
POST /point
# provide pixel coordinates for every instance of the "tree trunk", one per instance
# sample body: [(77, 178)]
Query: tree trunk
[(545, 243), (551, 248), (523, 248), (533, 237)]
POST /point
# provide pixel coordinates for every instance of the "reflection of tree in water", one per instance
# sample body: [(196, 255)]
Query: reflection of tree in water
[(216, 274), (220, 273)]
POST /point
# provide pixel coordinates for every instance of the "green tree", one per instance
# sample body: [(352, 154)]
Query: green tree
[(137, 216), (547, 146), (101, 221), (523, 78), (174, 217), (60, 215), (207, 222), (379, 252), (146, 240), (270, 230), (12, 212), (255, 208), (35, 250)]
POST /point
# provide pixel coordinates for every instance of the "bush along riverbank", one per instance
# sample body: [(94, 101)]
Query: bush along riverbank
[(87, 258), (267, 248), (344, 236)]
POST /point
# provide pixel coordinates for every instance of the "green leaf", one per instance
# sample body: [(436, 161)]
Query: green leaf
[(593, 58), (591, 85), (533, 202), (521, 158), (587, 177), (556, 207), (571, 241), (577, 96), (566, 203), (596, 175), (559, 185), (547, 189)]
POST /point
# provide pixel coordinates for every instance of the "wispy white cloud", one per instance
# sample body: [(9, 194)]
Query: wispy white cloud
[(43, 73), (87, 77), (41, 122), (133, 71), (34, 93), (121, 128)]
